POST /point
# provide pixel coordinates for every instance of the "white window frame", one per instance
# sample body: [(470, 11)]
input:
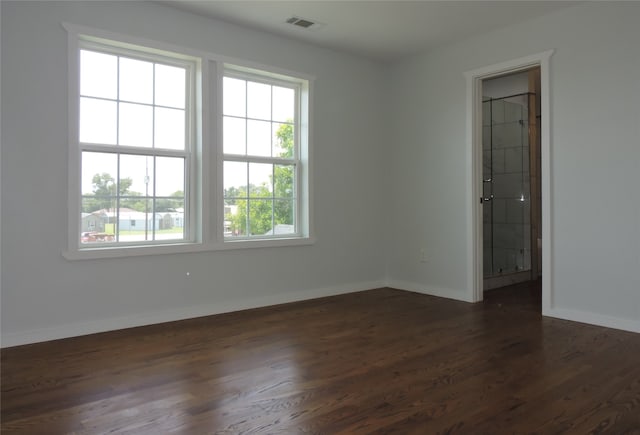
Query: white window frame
[(205, 193), (187, 154), (232, 71)]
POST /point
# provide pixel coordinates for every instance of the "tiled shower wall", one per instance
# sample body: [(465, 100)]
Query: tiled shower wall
[(507, 240)]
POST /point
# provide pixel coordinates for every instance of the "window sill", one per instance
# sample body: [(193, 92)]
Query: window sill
[(181, 248)]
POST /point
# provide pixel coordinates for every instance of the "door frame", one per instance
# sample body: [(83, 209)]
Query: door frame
[(474, 170)]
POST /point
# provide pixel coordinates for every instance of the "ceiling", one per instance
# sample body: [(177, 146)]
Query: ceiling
[(380, 30)]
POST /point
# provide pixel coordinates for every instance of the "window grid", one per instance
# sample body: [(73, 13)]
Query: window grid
[(249, 199), (149, 198)]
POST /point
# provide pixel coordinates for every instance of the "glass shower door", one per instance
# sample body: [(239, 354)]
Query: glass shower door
[(506, 186)]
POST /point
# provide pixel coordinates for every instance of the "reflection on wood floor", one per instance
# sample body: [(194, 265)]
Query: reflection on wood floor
[(379, 361)]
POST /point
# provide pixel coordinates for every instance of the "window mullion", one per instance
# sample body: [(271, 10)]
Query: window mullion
[(118, 100), (153, 200), (116, 213), (273, 193), (155, 163), (246, 121), (248, 193)]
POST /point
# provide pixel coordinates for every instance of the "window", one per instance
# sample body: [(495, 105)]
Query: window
[(179, 151), (261, 157), (135, 143)]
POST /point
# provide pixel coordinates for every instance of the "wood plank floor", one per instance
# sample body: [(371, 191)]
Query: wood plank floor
[(380, 361)]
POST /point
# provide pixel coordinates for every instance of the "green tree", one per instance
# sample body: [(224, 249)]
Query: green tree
[(258, 208), (104, 192), (283, 178), (135, 201), (170, 204), (105, 185), (285, 140), (232, 193)]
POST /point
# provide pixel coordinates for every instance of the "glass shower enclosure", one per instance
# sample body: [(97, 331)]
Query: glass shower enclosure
[(506, 186)]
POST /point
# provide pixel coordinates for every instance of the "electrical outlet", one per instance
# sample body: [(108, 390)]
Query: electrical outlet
[(423, 256)]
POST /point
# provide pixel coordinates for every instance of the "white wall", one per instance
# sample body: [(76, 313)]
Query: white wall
[(45, 296), (595, 160)]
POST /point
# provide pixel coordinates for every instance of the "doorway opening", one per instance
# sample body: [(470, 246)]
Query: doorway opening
[(478, 190), (511, 191)]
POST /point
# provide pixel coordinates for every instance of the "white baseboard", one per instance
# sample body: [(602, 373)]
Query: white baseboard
[(593, 319), (85, 328), (458, 295), (624, 324)]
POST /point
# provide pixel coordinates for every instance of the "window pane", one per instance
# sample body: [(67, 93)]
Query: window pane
[(93, 225), (133, 201), (170, 204), (98, 121), (136, 125), (283, 181), (235, 179), (169, 176), (260, 176), (260, 216), (234, 97), (235, 135), (170, 86), (130, 196), (99, 172), (92, 205), (169, 128), (136, 175), (136, 80), (135, 225), (98, 74), (283, 140), (235, 218), (169, 218), (258, 100), (283, 104), (232, 226), (98, 226), (283, 214), (258, 138)]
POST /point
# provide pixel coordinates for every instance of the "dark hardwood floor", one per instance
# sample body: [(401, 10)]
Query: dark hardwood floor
[(380, 361)]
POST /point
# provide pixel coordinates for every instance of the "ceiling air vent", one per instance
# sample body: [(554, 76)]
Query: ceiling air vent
[(301, 22)]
